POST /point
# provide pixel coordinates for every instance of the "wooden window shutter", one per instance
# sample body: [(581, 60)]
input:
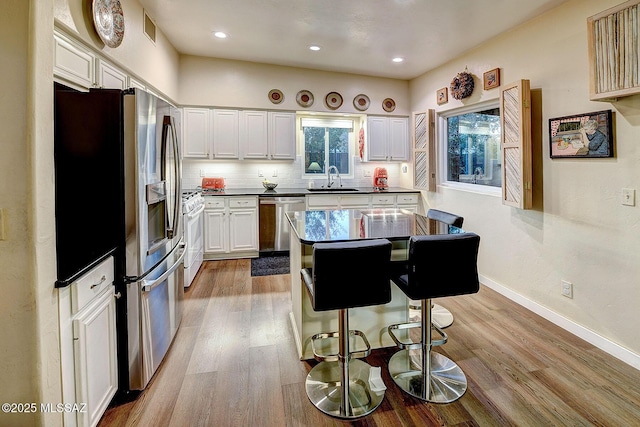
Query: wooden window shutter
[(515, 118), (424, 161)]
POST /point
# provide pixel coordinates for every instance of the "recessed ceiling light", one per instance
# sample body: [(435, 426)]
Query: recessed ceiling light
[(220, 34), (398, 59), (314, 47)]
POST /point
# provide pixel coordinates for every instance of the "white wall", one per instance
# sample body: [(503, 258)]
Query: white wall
[(155, 63), (581, 233), (224, 83), (29, 362)]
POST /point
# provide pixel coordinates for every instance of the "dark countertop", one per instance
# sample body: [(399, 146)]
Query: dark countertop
[(300, 192), (357, 224)]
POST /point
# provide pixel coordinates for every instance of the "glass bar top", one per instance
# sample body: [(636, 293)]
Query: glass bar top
[(358, 224)]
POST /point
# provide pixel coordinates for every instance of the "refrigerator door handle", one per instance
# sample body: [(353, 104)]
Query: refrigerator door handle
[(173, 214), (148, 285)]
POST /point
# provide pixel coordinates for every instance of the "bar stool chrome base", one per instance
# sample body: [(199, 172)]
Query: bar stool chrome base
[(440, 316), (324, 390), (448, 382)]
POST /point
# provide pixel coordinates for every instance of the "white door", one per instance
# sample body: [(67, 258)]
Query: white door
[(94, 333), (215, 237), (243, 230), (196, 140)]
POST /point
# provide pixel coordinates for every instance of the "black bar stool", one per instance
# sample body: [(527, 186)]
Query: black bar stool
[(440, 316), (416, 369), (346, 275)]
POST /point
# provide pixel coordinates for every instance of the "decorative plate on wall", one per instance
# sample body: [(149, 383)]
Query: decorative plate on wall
[(361, 102), (108, 20), (276, 96), (389, 105), (304, 98), (333, 100)]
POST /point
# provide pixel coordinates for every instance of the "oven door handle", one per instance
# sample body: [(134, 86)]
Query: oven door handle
[(194, 214), (148, 285)]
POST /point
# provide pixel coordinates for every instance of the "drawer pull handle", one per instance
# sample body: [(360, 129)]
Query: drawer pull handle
[(102, 279)]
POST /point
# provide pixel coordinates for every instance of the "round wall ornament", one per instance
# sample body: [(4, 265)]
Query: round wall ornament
[(276, 96), (108, 20), (462, 85)]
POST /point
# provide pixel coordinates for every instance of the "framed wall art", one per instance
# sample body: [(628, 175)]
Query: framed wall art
[(491, 79), (442, 96), (588, 135)]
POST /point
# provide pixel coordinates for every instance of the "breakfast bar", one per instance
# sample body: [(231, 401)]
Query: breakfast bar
[(310, 227)]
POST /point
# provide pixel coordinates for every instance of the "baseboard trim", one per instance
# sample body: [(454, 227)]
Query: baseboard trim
[(296, 334), (580, 331)]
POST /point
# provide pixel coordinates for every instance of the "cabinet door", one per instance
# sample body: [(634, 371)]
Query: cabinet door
[(196, 141), (282, 135), (225, 134), (72, 63), (253, 134), (377, 135), (215, 237), (243, 230), (133, 83), (94, 332), (399, 138), (109, 77)]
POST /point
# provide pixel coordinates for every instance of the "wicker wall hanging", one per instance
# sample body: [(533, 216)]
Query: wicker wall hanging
[(462, 85)]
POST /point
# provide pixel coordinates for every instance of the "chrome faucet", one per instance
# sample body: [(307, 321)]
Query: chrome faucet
[(329, 182)]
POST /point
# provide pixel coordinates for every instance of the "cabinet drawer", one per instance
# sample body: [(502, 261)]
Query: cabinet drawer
[(347, 201), (322, 201), (407, 199), (243, 202), (91, 284), (379, 199), (213, 203)]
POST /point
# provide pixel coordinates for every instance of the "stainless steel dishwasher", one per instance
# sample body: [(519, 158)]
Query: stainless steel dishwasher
[(274, 227)]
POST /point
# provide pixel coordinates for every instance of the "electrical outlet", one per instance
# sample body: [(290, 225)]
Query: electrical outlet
[(628, 197), (202, 172), (260, 173), (567, 289), (367, 173), (275, 172)]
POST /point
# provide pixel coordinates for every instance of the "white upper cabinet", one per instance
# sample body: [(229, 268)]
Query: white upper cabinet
[(72, 63), (109, 77), (282, 135), (399, 138), (196, 140), (253, 134), (226, 141), (388, 138)]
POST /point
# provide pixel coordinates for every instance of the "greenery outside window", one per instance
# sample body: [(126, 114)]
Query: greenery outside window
[(327, 142), (471, 147)]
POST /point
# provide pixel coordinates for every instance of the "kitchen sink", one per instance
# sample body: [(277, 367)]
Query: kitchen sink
[(336, 189)]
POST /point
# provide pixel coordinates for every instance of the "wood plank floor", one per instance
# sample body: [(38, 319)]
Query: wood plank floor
[(234, 363)]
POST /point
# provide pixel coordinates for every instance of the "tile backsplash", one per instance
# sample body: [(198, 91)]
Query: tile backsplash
[(288, 174)]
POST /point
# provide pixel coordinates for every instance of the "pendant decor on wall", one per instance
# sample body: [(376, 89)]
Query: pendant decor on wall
[(276, 96), (462, 85), (304, 98), (108, 20), (388, 105), (333, 100)]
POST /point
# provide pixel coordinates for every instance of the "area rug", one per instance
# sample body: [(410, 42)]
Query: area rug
[(270, 265)]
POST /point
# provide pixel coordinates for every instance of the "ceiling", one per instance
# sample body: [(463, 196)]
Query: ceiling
[(355, 36)]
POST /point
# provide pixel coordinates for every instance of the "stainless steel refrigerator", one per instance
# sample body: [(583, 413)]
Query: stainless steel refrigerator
[(118, 192)]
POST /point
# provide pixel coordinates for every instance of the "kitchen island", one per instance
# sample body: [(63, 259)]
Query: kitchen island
[(309, 227)]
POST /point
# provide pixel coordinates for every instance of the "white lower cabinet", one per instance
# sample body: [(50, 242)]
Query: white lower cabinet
[(230, 227), (87, 311), (408, 201)]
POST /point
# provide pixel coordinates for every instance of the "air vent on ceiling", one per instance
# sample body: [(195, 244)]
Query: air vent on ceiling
[(149, 27)]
